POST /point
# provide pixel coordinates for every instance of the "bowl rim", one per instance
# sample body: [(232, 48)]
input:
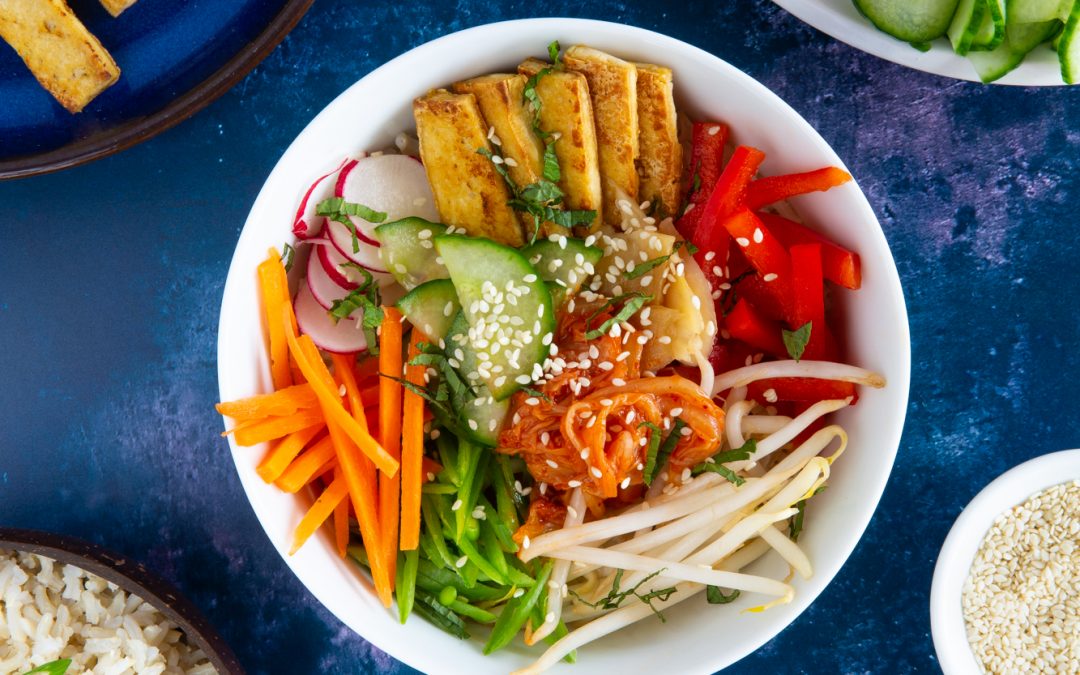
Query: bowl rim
[(133, 577), (887, 443), (840, 20), (962, 543)]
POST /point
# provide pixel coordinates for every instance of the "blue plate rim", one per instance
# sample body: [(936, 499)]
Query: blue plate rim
[(130, 133)]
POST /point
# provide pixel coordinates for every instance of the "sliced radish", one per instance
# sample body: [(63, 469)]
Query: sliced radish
[(332, 260), (324, 289), (308, 223), (396, 185), (343, 337)]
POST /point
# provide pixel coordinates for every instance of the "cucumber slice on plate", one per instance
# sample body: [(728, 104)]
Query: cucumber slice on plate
[(966, 24), (481, 415), (992, 31), (1037, 11), (407, 250), (910, 20), (508, 307), (565, 261), (1068, 47), (431, 307), (1020, 39)]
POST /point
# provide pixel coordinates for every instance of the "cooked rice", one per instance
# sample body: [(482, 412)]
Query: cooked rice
[(51, 611)]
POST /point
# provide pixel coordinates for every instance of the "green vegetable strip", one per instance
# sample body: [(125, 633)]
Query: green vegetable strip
[(515, 613), (433, 578), (433, 528), (650, 452), (440, 615), (406, 583), (473, 554), (495, 520), (668, 446), (475, 613), (491, 548), (438, 489), (559, 633), (448, 455), (506, 497)]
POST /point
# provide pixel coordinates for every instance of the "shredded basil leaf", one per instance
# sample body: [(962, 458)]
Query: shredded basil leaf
[(795, 527), (696, 183), (553, 53), (715, 595), (632, 302), (535, 393), (339, 210), (656, 456), (730, 297), (795, 341), (615, 596), (653, 263), (58, 667), (715, 464), (552, 172), (365, 298), (288, 254)]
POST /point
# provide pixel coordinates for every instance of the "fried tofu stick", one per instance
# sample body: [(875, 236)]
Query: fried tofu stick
[(469, 193), (566, 110), (63, 55), (660, 157), (613, 89), (116, 7)]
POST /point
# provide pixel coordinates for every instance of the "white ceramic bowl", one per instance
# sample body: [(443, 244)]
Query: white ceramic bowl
[(368, 115), (954, 562), (841, 20)]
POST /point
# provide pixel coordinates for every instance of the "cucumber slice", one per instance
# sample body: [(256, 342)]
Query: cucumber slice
[(1069, 47), (408, 252), (992, 31), (1037, 11), (431, 307), (482, 416), (910, 20), (508, 307), (965, 25), (565, 261), (1020, 39)]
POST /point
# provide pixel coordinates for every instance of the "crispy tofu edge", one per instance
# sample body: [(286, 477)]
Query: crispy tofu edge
[(660, 160)]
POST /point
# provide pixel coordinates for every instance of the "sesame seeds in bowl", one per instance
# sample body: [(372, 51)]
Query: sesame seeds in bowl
[(1006, 590)]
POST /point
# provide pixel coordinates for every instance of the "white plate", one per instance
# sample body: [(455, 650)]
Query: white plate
[(841, 20), (367, 116), (1009, 489)]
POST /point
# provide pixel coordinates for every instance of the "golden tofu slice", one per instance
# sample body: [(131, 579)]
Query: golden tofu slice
[(660, 159), (58, 49), (510, 127), (566, 109), (613, 89), (469, 193), (116, 7)]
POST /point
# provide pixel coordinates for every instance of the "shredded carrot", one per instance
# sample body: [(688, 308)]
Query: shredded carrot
[(390, 339), (306, 466), (412, 450), (274, 285), (327, 503), (271, 428), (310, 362), (281, 455), (341, 519), (343, 370), (280, 403), (369, 396), (368, 369)]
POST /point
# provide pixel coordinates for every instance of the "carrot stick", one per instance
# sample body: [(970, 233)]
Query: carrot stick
[(306, 466), (281, 455), (315, 371), (271, 428), (280, 403), (370, 395), (341, 519), (274, 285), (326, 504), (412, 450), (343, 370), (390, 339)]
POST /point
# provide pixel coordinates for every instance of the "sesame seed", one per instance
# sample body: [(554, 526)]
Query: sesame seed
[(573, 483), (771, 276), (713, 130), (770, 395), (449, 308), (758, 235), (473, 425), (625, 483), (618, 382), (496, 159), (461, 562), (510, 161), (525, 543), (742, 241), (664, 340), (552, 464), (710, 255), (341, 390), (529, 278), (595, 472), (456, 506), (521, 591)]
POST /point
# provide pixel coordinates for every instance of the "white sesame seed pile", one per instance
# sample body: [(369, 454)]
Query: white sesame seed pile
[(1022, 597)]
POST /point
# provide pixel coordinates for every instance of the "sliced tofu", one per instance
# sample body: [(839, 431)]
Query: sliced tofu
[(63, 55), (501, 104), (116, 7), (469, 193), (566, 109), (660, 159), (613, 90)]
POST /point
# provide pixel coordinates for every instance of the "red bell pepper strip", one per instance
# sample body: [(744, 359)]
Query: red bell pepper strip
[(746, 324), (772, 189), (799, 390), (706, 165), (808, 297), (765, 254), (731, 354), (838, 265)]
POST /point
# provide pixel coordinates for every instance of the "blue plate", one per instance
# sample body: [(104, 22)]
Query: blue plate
[(175, 57)]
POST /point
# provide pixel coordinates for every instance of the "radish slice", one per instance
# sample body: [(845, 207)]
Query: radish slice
[(343, 337), (323, 288), (396, 185), (308, 223), (332, 260)]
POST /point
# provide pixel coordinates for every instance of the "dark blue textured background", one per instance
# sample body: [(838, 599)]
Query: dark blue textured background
[(113, 273)]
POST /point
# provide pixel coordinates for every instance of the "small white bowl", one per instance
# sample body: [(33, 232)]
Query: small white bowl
[(1013, 487), (368, 115)]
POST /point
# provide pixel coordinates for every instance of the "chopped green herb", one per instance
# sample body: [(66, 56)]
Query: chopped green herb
[(552, 172), (288, 254), (615, 596), (795, 527), (728, 475), (657, 454), (366, 299), (58, 667), (715, 595), (339, 210), (632, 302), (795, 341), (653, 263), (715, 464), (535, 393), (730, 296), (696, 182), (553, 53)]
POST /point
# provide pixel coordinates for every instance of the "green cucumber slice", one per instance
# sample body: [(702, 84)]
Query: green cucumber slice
[(431, 307), (910, 20), (482, 417), (565, 261), (508, 307), (965, 24), (408, 252), (1020, 39), (1037, 11), (992, 31), (1069, 47)]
